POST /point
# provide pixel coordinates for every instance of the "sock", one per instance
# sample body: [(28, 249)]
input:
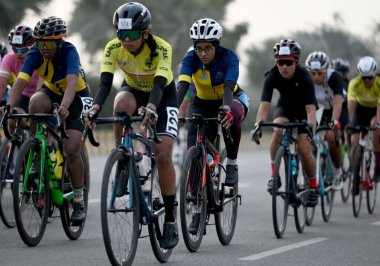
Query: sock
[(377, 158), (78, 195), (231, 162), (272, 167), (169, 208), (313, 182)]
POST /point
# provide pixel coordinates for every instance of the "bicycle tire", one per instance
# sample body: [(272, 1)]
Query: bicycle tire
[(357, 186), (225, 221), (310, 212), (191, 193), (31, 233), (121, 221), (371, 187), (346, 175), (74, 232), (327, 199), (280, 196), (300, 210), (7, 150), (156, 227)]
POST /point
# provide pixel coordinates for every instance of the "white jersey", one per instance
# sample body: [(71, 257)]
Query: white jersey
[(323, 92)]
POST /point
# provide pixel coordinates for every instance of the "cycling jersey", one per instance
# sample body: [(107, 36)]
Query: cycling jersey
[(11, 67), (367, 97), (139, 69), (209, 81), (54, 71), (332, 85)]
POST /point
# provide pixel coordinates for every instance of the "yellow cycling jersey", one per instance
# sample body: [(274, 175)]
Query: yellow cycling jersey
[(367, 97), (139, 69)]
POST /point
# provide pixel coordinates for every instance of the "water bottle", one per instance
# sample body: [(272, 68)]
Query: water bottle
[(57, 161), (294, 166), (144, 166), (213, 170)]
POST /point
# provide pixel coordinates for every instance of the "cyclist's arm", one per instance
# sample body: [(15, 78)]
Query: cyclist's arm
[(336, 84), (262, 113), (68, 97), (15, 93), (3, 86), (229, 86), (182, 88), (157, 91), (351, 109), (106, 79), (311, 117)]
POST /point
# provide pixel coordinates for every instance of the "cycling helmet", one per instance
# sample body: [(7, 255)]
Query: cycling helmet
[(367, 66), (206, 29), (317, 61), (3, 49), (132, 16), (287, 48), (21, 36), (50, 28), (340, 64)]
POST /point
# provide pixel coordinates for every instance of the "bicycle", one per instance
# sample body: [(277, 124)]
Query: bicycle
[(288, 190), (325, 175), (125, 207), (203, 195), (8, 152), (36, 190), (363, 170), (346, 168)]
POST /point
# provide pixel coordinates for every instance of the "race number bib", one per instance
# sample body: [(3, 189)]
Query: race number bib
[(172, 122), (86, 104)]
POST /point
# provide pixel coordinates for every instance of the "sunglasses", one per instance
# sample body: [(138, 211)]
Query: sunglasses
[(207, 50), (21, 50), (367, 78), (46, 45), (319, 73), (287, 62), (133, 35)]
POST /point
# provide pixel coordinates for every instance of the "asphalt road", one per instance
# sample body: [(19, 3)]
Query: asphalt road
[(344, 240)]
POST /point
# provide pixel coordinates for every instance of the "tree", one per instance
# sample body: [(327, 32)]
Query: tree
[(12, 12)]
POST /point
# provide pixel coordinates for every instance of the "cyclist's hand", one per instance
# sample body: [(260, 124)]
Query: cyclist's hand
[(63, 111), (90, 116), (315, 140), (256, 133), (225, 116), (334, 124), (150, 115)]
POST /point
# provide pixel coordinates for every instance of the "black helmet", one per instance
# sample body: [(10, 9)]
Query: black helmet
[(317, 61), (340, 64), (132, 16), (287, 48), (50, 28), (21, 35), (3, 49)]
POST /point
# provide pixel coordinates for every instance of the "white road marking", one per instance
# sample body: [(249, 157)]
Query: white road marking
[(376, 223), (284, 249)]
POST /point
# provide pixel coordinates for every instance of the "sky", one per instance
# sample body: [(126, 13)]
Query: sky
[(269, 19)]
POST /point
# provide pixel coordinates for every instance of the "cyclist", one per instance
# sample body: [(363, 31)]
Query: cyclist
[(214, 70), (342, 67), (146, 61), (3, 50), (297, 102), (21, 41), (58, 63), (363, 102), (329, 87)]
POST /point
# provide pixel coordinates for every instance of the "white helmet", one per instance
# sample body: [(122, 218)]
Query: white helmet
[(367, 66), (206, 29), (317, 61)]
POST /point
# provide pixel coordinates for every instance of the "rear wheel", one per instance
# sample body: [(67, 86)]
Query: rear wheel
[(327, 198), (225, 221), (7, 161), (347, 173), (193, 199), (280, 192), (31, 195), (357, 182), (119, 209), (300, 210), (370, 185), (74, 232), (310, 211)]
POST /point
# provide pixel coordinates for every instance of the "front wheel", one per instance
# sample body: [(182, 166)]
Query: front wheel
[(74, 232), (347, 174), (31, 195), (193, 200), (327, 196), (225, 221), (357, 182), (280, 192), (119, 209), (370, 185), (300, 210)]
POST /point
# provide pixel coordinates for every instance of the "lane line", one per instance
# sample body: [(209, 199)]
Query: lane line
[(284, 249), (376, 223)]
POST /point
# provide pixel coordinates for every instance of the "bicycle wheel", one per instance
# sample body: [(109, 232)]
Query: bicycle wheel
[(73, 232), (120, 210), (327, 198), (225, 221), (280, 192), (346, 174), (357, 183), (7, 151), (156, 227), (31, 206), (310, 211), (300, 210), (193, 199), (370, 185)]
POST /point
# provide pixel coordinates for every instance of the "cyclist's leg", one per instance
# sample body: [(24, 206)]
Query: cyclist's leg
[(40, 102), (376, 149)]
